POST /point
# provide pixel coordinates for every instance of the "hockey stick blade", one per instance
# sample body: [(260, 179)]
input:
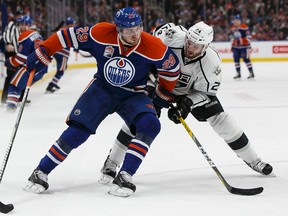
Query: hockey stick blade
[(233, 190), (85, 54), (246, 192), (6, 208)]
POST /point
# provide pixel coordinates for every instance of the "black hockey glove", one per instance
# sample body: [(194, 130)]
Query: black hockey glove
[(182, 110)]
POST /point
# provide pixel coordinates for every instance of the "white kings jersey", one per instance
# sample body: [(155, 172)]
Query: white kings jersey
[(199, 77)]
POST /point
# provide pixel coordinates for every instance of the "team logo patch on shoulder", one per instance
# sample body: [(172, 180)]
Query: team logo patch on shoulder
[(108, 52), (118, 71), (217, 71)]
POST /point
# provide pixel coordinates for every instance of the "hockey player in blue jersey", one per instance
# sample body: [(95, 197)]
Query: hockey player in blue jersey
[(61, 58), (29, 40), (241, 46), (125, 55)]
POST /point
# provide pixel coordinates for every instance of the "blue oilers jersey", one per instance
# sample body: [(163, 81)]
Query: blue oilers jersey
[(123, 69), (28, 41), (241, 36)]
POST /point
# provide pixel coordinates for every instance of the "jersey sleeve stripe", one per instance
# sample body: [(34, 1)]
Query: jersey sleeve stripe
[(19, 61), (73, 37), (61, 39), (172, 72), (66, 37), (21, 57), (14, 62), (168, 78)]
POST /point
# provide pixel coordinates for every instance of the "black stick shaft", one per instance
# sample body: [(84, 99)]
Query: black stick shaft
[(15, 129)]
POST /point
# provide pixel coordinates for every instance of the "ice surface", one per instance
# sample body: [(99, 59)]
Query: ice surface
[(175, 178)]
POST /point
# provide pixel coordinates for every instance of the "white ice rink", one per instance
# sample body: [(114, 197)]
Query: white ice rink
[(175, 178)]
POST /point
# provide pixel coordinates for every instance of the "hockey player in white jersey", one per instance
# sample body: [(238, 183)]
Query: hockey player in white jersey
[(195, 93)]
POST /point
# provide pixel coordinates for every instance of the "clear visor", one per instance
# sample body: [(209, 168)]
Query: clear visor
[(131, 31)]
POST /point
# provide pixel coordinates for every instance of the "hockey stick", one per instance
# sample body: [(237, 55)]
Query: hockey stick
[(233, 190), (85, 55), (9, 207), (8, 151), (58, 27)]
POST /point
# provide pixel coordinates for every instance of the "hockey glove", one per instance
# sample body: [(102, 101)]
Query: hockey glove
[(38, 60), (162, 97), (182, 110)]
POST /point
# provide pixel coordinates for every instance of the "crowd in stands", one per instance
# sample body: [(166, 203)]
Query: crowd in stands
[(267, 19)]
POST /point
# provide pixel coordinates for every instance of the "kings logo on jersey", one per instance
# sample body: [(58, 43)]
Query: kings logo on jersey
[(119, 71)]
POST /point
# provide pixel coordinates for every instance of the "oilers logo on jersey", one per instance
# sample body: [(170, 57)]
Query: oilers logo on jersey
[(237, 34), (119, 71)]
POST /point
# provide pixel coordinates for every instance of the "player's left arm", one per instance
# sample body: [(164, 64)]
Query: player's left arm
[(168, 74)]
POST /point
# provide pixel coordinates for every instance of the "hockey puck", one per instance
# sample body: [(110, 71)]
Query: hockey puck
[(6, 208)]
